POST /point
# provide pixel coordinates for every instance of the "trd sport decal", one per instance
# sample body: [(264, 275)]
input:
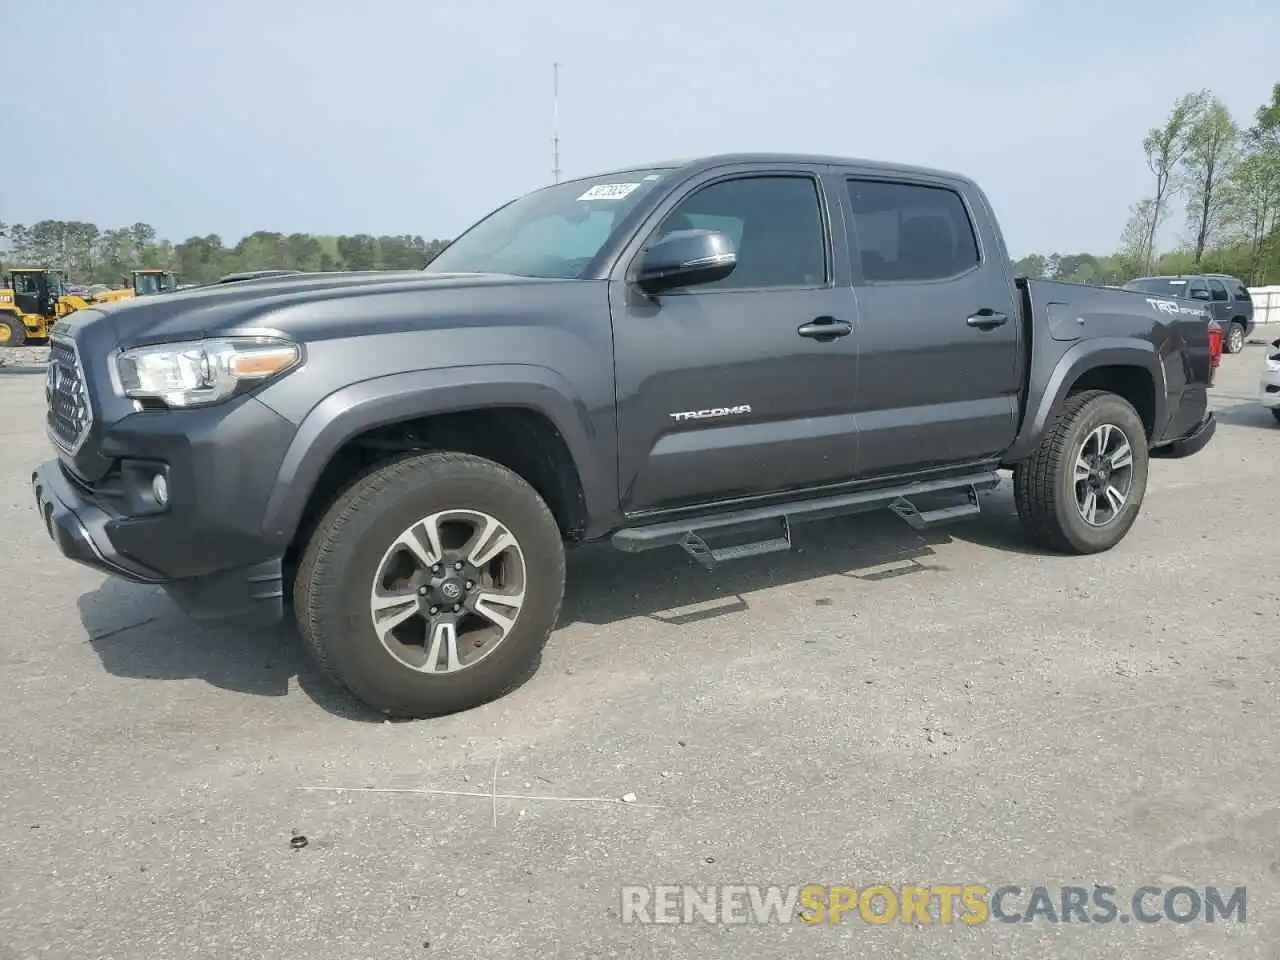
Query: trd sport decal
[(1173, 308)]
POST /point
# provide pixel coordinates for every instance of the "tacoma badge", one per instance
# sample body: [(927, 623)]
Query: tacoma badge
[(740, 410)]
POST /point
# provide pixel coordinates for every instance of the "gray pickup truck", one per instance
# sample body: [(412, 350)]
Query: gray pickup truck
[(694, 354)]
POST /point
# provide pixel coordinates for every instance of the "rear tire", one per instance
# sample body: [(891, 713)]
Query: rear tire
[(13, 333), (1275, 412), (1097, 443), (1234, 341), (372, 550)]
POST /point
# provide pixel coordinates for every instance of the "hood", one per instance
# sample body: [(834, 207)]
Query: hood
[(304, 306)]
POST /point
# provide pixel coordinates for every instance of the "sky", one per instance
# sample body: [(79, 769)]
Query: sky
[(420, 116)]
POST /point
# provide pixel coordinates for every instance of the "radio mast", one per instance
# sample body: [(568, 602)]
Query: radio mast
[(555, 121)]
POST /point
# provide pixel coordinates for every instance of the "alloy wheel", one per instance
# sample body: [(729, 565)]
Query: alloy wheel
[(448, 591), (1103, 476)]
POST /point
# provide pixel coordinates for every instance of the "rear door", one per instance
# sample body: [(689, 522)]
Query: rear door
[(1241, 303), (721, 392), (940, 336)]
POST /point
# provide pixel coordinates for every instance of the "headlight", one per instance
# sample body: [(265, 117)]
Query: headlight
[(204, 371)]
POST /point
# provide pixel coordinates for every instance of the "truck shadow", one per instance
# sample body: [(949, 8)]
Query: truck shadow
[(138, 633), (1248, 413), (605, 586)]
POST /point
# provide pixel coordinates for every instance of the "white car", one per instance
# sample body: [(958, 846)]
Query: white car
[(1269, 392)]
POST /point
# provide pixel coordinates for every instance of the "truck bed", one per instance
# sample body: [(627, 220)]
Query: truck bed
[(1171, 335)]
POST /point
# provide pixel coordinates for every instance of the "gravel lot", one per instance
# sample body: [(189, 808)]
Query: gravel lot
[(880, 706)]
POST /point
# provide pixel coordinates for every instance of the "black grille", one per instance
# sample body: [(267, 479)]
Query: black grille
[(65, 394)]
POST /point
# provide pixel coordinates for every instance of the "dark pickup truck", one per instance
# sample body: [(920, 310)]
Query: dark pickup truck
[(696, 354)]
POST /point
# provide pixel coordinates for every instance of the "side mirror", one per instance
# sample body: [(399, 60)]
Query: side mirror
[(1199, 294), (685, 258)]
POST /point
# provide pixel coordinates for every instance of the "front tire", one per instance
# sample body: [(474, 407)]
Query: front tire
[(1235, 338), (432, 584), (1275, 412), (13, 333), (1082, 488)]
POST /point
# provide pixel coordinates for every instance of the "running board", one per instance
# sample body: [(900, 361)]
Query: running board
[(692, 533)]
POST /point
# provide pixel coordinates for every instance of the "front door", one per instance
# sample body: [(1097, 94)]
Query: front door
[(941, 334), (735, 388)]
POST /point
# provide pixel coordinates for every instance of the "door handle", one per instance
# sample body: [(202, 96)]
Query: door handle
[(987, 319), (824, 329)]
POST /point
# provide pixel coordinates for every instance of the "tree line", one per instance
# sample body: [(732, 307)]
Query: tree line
[(1221, 176), (89, 254)]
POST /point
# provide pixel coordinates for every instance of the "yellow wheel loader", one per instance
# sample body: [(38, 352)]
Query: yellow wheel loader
[(32, 299), (143, 283)]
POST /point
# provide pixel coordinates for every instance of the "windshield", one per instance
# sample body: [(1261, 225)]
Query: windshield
[(1166, 286), (554, 232)]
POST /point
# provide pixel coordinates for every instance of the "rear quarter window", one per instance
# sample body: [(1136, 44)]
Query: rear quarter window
[(1159, 285)]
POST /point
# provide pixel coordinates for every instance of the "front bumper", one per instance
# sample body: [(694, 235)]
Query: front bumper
[(249, 595), (1192, 443), (78, 527), (202, 537)]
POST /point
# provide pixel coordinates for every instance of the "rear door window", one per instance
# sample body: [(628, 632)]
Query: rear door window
[(910, 232)]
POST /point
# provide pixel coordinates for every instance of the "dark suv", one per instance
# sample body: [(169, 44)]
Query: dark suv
[(1226, 297)]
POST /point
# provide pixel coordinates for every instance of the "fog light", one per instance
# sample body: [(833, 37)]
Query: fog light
[(160, 489)]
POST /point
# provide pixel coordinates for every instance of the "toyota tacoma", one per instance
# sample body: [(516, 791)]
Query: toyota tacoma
[(696, 354)]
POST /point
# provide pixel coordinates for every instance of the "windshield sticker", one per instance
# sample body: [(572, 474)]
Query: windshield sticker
[(653, 176), (609, 191)]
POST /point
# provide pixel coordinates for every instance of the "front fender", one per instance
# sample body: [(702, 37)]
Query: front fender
[(1049, 386), (355, 409)]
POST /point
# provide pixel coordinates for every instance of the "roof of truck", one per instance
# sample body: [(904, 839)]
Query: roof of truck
[(1187, 276), (710, 161)]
